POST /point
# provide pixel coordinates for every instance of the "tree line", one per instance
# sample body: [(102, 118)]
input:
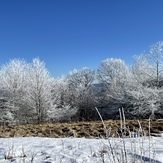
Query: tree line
[(29, 94)]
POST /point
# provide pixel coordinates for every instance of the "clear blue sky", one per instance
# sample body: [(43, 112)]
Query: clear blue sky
[(70, 34)]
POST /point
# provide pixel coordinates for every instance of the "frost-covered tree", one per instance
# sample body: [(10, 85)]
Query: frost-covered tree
[(141, 101), (7, 112), (155, 58), (113, 73), (59, 88), (147, 70), (13, 85), (60, 109), (38, 89), (80, 91), (142, 70), (121, 89)]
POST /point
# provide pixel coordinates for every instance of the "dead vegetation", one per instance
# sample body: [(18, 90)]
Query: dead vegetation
[(80, 129)]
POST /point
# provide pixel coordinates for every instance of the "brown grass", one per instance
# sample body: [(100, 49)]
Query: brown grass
[(78, 129)]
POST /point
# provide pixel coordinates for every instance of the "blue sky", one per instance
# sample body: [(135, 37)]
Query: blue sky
[(70, 34)]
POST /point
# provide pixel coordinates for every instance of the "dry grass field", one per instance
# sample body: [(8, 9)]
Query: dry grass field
[(80, 129)]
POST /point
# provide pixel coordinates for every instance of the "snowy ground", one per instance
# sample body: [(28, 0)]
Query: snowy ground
[(81, 150)]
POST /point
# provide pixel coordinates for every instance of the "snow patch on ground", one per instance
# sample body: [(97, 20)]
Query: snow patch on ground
[(80, 150)]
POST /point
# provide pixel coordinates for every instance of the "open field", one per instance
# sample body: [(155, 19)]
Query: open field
[(80, 129), (62, 142)]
